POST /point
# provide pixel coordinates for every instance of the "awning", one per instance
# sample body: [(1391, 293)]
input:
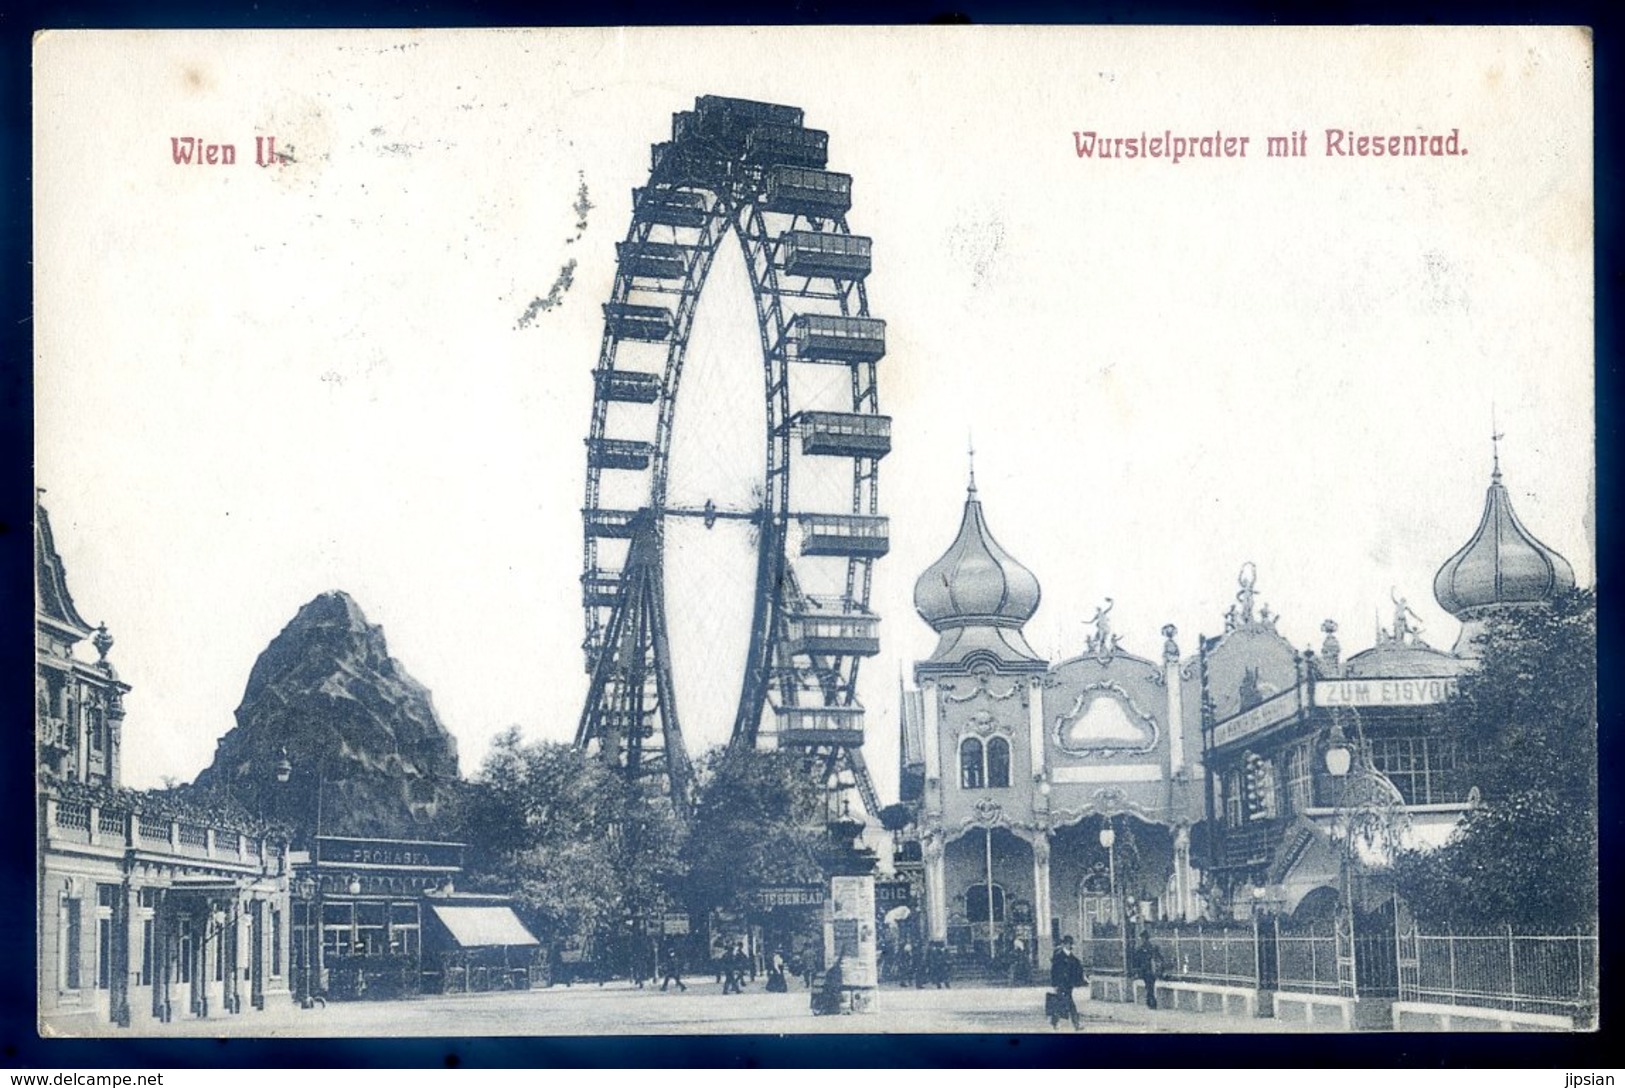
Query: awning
[(484, 927), (211, 885)]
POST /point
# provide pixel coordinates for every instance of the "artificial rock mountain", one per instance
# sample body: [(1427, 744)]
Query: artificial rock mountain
[(366, 753)]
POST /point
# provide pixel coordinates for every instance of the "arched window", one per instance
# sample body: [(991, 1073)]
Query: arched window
[(976, 903), (970, 764), (998, 762)]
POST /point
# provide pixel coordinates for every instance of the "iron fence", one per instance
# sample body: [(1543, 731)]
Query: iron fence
[(1506, 970), (1102, 955), (1221, 955), (1532, 973), (1306, 959)]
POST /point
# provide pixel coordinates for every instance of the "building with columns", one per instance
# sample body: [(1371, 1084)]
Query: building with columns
[(150, 909), (1016, 767), (1053, 799)]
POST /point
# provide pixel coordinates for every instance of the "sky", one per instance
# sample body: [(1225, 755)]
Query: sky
[(256, 385)]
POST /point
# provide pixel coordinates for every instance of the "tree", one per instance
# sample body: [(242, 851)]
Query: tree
[(1526, 723), (574, 843), (760, 821)]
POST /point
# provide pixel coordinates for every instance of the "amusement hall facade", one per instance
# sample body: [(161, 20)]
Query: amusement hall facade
[(1204, 782)]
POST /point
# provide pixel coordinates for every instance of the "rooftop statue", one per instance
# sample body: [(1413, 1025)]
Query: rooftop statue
[(1103, 642)]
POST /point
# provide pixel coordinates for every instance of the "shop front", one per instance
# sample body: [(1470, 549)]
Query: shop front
[(475, 943), (358, 915), (378, 919)]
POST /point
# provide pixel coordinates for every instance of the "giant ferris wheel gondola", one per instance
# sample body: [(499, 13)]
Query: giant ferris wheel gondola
[(753, 171)]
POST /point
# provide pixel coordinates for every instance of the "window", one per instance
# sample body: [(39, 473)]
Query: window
[(970, 764), (1300, 784), (369, 928), (183, 949), (976, 903), (1232, 799), (984, 765), (404, 929), (1423, 769), (336, 922), (70, 944), (276, 942), (147, 936), (104, 952), (998, 763), (299, 936)]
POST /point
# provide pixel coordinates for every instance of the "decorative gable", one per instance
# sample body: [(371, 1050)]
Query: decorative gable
[(1104, 720)]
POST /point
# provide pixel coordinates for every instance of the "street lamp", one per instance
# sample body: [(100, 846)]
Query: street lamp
[(1339, 756), (1108, 840), (305, 887), (1339, 761)]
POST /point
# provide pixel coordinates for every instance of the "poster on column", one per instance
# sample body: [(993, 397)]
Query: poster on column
[(574, 472), (851, 940)]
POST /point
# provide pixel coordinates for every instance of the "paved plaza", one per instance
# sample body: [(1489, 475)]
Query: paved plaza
[(618, 1008)]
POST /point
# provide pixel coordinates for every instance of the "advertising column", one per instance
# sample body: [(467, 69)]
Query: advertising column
[(849, 939)]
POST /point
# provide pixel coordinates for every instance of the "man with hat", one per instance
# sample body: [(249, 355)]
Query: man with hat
[(1066, 975)]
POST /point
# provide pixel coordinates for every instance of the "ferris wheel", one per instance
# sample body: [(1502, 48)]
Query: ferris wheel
[(752, 171)]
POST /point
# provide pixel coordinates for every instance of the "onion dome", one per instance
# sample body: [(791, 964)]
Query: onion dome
[(977, 596), (1391, 659), (976, 581), (1503, 564)]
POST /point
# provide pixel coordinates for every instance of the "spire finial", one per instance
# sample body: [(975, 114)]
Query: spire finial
[(1495, 446), (970, 445)]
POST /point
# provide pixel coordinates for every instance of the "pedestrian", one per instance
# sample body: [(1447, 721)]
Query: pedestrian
[(642, 963), (732, 965), (776, 983), (555, 966), (826, 1000), (938, 966), (1020, 965), (672, 972), (1066, 975), (1148, 961)]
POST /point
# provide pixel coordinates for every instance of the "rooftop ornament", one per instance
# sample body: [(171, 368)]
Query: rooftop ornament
[(1240, 614), (1103, 643)]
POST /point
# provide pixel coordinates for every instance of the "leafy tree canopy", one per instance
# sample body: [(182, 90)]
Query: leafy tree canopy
[(1526, 720), (760, 821), (574, 843)]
